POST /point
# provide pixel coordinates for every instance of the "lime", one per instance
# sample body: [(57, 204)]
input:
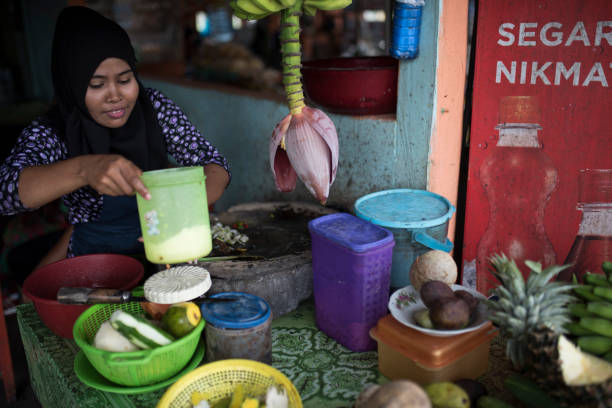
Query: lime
[(181, 318)]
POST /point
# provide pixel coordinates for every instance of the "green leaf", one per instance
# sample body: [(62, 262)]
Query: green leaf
[(534, 266)]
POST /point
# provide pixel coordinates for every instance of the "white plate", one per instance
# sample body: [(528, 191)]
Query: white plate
[(405, 301)]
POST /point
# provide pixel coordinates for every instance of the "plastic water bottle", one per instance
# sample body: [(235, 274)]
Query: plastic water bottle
[(406, 28), (221, 25), (593, 243)]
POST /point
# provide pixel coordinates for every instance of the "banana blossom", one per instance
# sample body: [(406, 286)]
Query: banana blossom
[(305, 145)]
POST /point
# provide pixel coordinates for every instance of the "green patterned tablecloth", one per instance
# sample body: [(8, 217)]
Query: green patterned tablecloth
[(325, 373)]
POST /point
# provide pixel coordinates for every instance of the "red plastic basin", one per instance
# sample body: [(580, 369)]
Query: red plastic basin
[(352, 86), (91, 271)]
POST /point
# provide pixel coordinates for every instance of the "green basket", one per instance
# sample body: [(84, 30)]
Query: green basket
[(132, 368)]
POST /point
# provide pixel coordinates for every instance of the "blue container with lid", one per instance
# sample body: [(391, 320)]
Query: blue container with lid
[(418, 220), (238, 329), (351, 263)]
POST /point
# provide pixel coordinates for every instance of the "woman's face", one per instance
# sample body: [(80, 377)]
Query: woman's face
[(111, 93)]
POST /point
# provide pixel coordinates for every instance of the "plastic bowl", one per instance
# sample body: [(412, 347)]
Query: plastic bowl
[(133, 368), (352, 86), (218, 380), (91, 271)]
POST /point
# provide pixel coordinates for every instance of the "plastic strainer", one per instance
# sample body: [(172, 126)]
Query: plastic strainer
[(132, 368), (218, 380)]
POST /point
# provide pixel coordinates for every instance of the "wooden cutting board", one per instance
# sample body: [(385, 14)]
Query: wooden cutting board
[(278, 267)]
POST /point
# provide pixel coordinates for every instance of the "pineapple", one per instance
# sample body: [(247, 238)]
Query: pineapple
[(531, 316), (574, 377), (555, 363), (523, 307)]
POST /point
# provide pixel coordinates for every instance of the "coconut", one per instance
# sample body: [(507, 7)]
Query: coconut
[(394, 394), (433, 265), (365, 395)]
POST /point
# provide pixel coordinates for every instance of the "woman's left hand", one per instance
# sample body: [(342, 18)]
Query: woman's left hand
[(216, 182)]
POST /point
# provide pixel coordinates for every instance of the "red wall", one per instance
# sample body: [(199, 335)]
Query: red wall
[(544, 40)]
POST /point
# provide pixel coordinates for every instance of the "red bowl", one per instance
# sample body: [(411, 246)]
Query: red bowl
[(90, 271), (353, 86)]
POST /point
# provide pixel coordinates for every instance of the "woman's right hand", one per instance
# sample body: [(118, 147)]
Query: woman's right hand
[(110, 174), (114, 175)]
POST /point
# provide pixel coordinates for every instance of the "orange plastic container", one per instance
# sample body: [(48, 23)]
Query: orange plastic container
[(409, 354)]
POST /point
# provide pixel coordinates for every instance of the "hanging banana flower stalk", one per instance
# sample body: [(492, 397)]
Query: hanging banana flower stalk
[(304, 144)]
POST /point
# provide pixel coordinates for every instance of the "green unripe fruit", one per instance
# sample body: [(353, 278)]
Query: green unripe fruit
[(181, 318), (447, 395)]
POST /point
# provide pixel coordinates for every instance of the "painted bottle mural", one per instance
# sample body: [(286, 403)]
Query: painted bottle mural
[(593, 243), (518, 179)]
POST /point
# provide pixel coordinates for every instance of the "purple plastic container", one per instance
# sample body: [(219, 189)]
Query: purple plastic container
[(351, 269)]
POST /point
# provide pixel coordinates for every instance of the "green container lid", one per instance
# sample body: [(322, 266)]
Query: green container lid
[(173, 176)]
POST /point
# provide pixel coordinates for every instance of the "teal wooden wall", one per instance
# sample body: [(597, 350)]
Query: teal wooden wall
[(376, 153)]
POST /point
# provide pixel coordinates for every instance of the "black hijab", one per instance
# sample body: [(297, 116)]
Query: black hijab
[(83, 39)]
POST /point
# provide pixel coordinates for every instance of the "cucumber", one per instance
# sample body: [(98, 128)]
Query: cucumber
[(250, 403), (529, 393), (597, 280), (603, 309), (224, 403), (491, 402), (237, 396), (109, 339), (139, 331), (595, 344), (605, 293), (598, 325)]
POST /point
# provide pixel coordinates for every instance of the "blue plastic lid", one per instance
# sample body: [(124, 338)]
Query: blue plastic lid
[(350, 232), (246, 312), (404, 208)]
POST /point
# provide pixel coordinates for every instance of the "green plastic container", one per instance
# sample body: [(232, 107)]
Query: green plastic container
[(174, 222), (132, 368)]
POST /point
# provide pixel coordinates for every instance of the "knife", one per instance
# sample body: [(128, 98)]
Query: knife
[(81, 296), (242, 257)]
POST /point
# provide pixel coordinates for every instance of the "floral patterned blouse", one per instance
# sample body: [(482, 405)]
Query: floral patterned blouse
[(40, 144)]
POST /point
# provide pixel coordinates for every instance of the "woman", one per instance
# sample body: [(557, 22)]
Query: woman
[(103, 132)]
